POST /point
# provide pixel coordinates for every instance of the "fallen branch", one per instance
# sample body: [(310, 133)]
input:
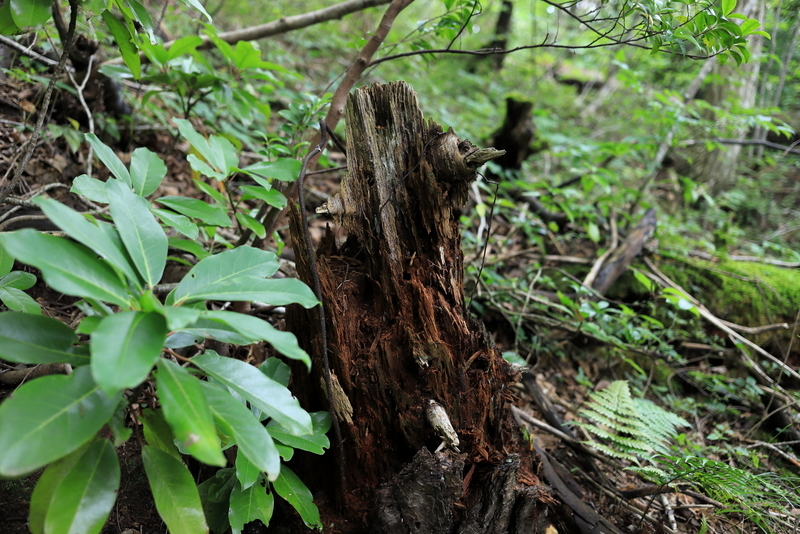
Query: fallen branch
[(18, 376), (769, 261)]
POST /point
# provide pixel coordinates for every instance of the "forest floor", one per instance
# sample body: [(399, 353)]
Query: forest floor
[(563, 373)]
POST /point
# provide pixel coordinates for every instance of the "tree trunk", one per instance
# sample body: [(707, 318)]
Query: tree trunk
[(400, 337)]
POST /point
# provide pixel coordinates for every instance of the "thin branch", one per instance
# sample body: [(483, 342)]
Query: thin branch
[(73, 18), (723, 141), (26, 51)]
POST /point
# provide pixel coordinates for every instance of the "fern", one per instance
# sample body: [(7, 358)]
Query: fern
[(758, 497), (630, 428)]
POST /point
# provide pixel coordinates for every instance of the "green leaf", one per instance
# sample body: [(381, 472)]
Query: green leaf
[(213, 274), (174, 491), (184, 45), (210, 191), (143, 237), (290, 487), (264, 393), (46, 486), (67, 267), (215, 495), (197, 209), (199, 142), (16, 300), (48, 418), (192, 247), (158, 433), (275, 292), (100, 237), (27, 338), (272, 197), (277, 370), (198, 6), (147, 171), (749, 25), (315, 442), (252, 224), (253, 440), (7, 26), (177, 221), (246, 472), (257, 329), (91, 188), (6, 262), (30, 13), (728, 6), (84, 498), (124, 347), (127, 46), (106, 155), (18, 280), (249, 504), (187, 412)]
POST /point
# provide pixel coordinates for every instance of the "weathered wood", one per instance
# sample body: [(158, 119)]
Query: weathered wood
[(398, 331)]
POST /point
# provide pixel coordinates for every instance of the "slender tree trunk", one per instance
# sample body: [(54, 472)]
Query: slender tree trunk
[(399, 337)]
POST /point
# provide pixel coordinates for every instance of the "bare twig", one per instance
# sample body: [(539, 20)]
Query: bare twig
[(590, 278)]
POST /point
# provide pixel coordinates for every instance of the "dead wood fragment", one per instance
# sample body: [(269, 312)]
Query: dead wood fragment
[(618, 263), (18, 376)]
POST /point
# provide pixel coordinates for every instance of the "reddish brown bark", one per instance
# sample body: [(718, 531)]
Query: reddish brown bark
[(398, 332)]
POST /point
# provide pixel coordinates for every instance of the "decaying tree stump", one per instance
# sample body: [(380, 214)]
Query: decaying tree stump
[(399, 336)]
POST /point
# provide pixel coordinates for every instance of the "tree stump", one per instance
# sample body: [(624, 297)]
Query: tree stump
[(399, 336)]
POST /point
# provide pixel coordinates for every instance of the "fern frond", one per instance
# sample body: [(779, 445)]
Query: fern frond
[(631, 427)]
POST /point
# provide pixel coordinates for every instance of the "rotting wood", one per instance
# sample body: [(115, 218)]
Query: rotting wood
[(399, 335)]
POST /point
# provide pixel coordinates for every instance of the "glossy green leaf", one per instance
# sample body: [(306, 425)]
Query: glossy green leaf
[(272, 197), (277, 370), (127, 47), (86, 494), (157, 432), (290, 487), (246, 473), (215, 273), (728, 6), (257, 329), (16, 300), (198, 141), (46, 486), (118, 426), (174, 491), (264, 393), (106, 154), (252, 224), (100, 237), (187, 412), (72, 408), (147, 171), (210, 191), (252, 438), (142, 235), (7, 26), (91, 188), (283, 169), (315, 442), (67, 267), (276, 292), (18, 280), (249, 504), (30, 13), (192, 247), (124, 347), (197, 209), (180, 222), (27, 338)]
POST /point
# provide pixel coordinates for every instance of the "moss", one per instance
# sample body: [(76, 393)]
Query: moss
[(745, 293)]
